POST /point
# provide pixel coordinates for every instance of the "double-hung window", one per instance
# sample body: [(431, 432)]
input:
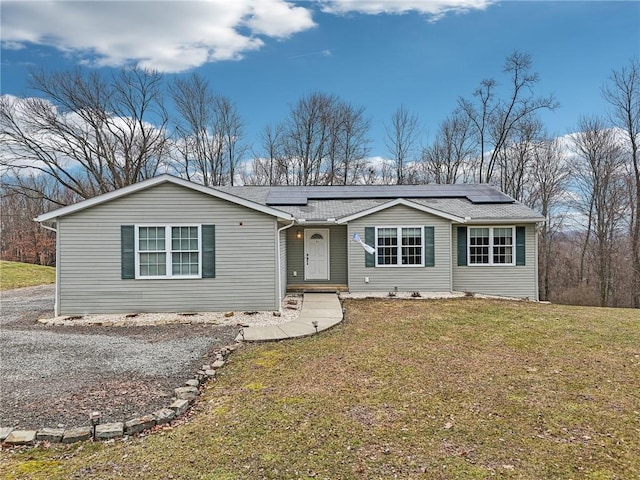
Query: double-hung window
[(168, 251), (491, 245), (400, 246)]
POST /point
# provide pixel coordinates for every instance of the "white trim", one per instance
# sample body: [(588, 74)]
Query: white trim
[(491, 246), (278, 266), (451, 247), (399, 246), (56, 301), (536, 280), (168, 251), (407, 203), (503, 221), (328, 240), (152, 182)]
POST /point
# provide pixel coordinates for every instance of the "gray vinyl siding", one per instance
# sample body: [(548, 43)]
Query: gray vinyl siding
[(406, 279), (337, 256), (89, 264), (511, 281), (283, 262)]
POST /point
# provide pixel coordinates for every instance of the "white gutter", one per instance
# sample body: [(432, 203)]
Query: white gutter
[(56, 305), (279, 281)]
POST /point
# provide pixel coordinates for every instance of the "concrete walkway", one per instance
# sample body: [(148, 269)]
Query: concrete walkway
[(323, 308)]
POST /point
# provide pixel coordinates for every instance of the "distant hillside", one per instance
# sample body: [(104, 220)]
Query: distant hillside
[(17, 275)]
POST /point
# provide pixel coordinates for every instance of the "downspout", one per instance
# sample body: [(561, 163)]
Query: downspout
[(279, 286), (56, 305)]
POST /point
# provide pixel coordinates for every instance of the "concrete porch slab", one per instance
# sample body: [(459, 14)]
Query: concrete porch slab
[(323, 308)]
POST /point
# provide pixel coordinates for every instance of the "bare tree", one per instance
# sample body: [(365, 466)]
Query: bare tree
[(443, 160), (353, 141), (324, 141), (401, 138), (622, 92), (22, 239), (209, 132), (600, 179), (494, 119), (517, 155), (306, 137), (548, 177), (268, 166), (90, 133), (231, 133)]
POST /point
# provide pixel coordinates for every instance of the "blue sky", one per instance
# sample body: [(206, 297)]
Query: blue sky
[(266, 54)]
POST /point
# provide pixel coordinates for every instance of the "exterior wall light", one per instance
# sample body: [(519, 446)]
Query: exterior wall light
[(298, 234)]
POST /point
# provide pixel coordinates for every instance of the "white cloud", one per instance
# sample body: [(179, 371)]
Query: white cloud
[(435, 9), (170, 36)]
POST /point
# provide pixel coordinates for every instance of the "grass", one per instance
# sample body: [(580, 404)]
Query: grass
[(17, 275), (450, 389)]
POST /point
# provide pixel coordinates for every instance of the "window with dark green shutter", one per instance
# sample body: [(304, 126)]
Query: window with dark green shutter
[(484, 245), (520, 246), (127, 252), (208, 251), (167, 251), (396, 246), (462, 246), (429, 247), (370, 239)]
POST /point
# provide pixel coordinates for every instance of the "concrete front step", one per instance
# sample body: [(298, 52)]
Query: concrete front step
[(333, 288), (322, 308)]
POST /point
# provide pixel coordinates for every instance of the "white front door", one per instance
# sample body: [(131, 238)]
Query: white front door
[(316, 254)]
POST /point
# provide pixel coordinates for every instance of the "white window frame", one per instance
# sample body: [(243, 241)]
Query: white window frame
[(492, 246), (168, 251), (399, 246)]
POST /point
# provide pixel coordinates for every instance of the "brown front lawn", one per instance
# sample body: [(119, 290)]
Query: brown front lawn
[(449, 389)]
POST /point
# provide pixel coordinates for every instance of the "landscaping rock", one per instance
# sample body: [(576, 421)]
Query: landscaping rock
[(217, 364), (201, 375), (137, 425), (50, 435), (179, 407), (186, 393), (107, 431), (210, 373), (77, 434), (228, 314), (192, 383), (21, 437), (4, 432), (164, 415)]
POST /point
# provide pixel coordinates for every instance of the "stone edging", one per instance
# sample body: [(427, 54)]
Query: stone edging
[(183, 399)]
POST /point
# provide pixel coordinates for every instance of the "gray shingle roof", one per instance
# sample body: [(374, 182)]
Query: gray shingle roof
[(475, 202)]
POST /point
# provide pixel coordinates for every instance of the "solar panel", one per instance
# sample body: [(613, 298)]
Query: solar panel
[(301, 195)]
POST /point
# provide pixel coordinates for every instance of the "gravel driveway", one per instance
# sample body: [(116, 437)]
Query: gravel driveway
[(58, 375)]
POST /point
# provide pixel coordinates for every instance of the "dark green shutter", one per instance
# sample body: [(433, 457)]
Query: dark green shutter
[(208, 251), (520, 246), (370, 239), (127, 252), (429, 247), (462, 246)]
